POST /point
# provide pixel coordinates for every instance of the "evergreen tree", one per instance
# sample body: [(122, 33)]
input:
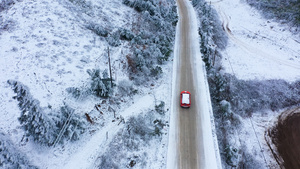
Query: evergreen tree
[(33, 120), (10, 157), (153, 42), (71, 125), (44, 125), (99, 86)]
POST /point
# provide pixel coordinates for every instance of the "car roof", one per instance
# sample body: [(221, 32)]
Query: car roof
[(186, 98)]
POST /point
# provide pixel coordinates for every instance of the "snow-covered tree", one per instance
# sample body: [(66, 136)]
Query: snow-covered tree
[(70, 125), (44, 125), (100, 86), (114, 39), (153, 40), (10, 157), (34, 121)]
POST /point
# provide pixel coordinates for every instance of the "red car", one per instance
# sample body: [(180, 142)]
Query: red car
[(185, 99)]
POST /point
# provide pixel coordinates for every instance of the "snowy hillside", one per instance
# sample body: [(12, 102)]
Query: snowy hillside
[(253, 76), (59, 109)]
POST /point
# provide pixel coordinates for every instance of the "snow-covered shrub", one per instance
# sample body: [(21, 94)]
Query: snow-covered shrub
[(108, 162), (247, 160), (98, 29), (127, 147), (125, 88), (230, 154), (138, 126), (126, 34), (114, 39), (159, 125), (160, 108), (7, 25), (225, 109), (141, 5), (85, 6), (74, 91), (70, 125), (5, 4), (10, 157), (153, 40), (100, 86), (156, 71)]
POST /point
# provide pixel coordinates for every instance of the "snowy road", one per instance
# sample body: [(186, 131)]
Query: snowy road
[(191, 132)]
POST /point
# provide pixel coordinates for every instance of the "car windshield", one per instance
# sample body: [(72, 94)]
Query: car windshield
[(185, 98)]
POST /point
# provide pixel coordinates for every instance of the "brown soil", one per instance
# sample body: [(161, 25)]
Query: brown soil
[(286, 137)]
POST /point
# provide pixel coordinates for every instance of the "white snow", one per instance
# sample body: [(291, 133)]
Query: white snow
[(211, 150), (86, 154), (258, 48), (186, 98), (48, 50)]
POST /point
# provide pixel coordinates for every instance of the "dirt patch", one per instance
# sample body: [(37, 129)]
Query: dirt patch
[(285, 135)]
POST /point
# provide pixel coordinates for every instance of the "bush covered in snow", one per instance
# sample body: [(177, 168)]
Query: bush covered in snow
[(44, 125), (125, 88), (152, 38), (234, 99), (98, 29), (84, 6), (10, 157), (248, 96), (212, 36), (70, 124), (283, 10), (98, 85), (127, 147)]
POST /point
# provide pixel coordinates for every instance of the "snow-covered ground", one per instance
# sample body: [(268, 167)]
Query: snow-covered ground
[(46, 47), (258, 49)]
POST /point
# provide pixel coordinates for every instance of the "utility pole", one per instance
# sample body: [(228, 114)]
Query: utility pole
[(109, 67)]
